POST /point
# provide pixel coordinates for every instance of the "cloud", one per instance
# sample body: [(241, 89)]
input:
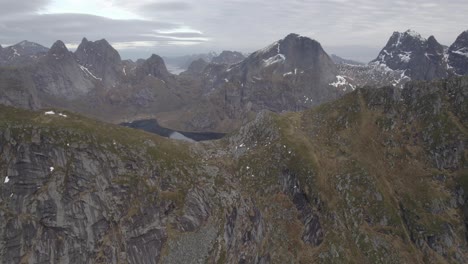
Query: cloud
[(10, 8), (164, 6), (244, 25), (71, 28)]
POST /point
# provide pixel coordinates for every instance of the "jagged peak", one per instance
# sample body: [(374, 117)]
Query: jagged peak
[(84, 40), (58, 46), (155, 57)]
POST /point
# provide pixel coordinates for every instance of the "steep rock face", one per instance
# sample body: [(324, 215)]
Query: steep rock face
[(101, 59), (419, 58), (228, 57), (59, 75), (18, 89), (302, 187), (291, 74), (154, 66), (196, 67), (458, 54)]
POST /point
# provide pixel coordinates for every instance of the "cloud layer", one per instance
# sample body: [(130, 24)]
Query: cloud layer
[(186, 26)]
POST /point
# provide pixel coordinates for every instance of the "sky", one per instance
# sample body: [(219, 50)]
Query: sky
[(137, 28)]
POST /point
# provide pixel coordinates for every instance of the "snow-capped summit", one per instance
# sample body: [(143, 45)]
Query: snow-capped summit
[(419, 58), (458, 54)]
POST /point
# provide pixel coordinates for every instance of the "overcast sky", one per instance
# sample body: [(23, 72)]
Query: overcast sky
[(352, 29)]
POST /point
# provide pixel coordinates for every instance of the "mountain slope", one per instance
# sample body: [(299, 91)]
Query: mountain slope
[(458, 54), (291, 74), (21, 53), (101, 59), (378, 176)]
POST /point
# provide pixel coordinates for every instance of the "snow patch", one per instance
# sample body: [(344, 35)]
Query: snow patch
[(414, 34), (341, 81), (463, 52), (85, 70), (53, 113), (268, 48), (7, 179), (274, 59), (51, 169), (405, 57), (15, 53)]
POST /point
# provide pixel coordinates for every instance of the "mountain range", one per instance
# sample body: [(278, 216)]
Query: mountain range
[(292, 74), (324, 160)]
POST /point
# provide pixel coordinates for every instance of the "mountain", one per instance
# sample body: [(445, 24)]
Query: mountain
[(458, 54), (291, 74), (228, 57), (22, 53), (60, 76), (153, 67), (378, 176), (338, 60), (101, 59), (419, 58), (196, 67)]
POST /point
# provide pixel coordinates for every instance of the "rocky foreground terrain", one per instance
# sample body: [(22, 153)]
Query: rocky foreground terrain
[(378, 176)]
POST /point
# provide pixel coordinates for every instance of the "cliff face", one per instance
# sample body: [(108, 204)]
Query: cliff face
[(378, 176)]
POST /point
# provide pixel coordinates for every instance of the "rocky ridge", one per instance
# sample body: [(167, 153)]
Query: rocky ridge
[(378, 176)]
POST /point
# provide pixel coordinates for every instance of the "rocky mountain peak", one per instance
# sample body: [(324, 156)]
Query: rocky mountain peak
[(420, 58), (100, 58), (153, 66), (59, 51), (197, 66), (292, 53), (458, 54)]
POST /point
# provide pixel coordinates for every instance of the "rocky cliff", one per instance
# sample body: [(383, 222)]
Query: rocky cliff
[(378, 176)]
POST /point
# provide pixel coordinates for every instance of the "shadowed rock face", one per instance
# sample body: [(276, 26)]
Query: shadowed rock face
[(101, 59), (421, 59), (153, 66), (197, 67), (458, 54), (59, 75)]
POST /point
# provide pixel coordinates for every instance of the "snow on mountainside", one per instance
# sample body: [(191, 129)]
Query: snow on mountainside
[(24, 52), (420, 58), (409, 56)]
